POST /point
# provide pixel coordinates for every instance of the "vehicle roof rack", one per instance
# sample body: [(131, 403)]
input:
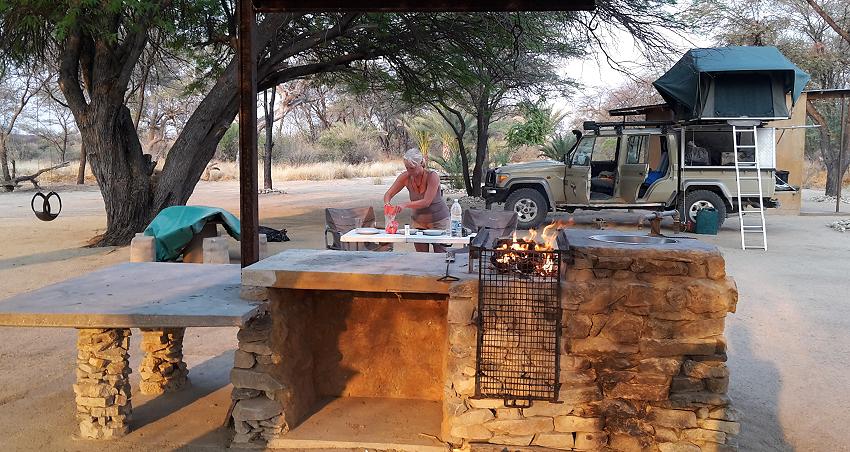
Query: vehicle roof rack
[(618, 126)]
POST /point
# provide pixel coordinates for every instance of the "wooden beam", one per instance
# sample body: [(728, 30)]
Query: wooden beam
[(422, 6), (248, 202)]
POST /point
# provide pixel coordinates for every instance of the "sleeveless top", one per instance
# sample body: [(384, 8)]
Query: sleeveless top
[(434, 212)]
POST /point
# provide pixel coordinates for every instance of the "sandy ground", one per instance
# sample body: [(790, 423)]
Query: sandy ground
[(789, 342)]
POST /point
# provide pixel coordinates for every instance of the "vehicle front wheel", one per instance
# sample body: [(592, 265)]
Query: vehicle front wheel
[(530, 206), (702, 199)]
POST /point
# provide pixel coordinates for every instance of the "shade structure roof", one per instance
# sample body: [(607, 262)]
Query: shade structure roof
[(683, 88)]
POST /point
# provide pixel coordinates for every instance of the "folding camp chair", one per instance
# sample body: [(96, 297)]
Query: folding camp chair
[(340, 221)]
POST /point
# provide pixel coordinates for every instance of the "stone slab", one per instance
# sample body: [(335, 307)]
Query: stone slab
[(359, 423), (365, 271), (685, 249), (136, 295)]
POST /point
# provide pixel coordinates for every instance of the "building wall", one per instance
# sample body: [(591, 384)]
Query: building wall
[(790, 148)]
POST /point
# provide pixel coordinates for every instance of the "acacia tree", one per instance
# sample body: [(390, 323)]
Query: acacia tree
[(518, 59), (17, 88), (98, 48)]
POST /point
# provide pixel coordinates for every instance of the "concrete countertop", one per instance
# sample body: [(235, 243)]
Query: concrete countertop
[(136, 295), (685, 248), (364, 271)]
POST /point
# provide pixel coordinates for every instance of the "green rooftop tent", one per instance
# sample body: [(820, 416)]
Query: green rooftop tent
[(732, 83)]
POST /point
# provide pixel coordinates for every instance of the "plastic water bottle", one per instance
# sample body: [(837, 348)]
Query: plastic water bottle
[(456, 219)]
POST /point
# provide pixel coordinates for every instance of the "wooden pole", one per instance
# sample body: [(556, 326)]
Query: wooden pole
[(840, 159), (248, 202)]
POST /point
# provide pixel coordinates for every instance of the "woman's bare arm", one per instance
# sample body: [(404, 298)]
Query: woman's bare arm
[(396, 187), (433, 185)]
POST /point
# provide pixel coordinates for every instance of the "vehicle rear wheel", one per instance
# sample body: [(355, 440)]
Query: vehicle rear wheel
[(530, 206), (702, 199)]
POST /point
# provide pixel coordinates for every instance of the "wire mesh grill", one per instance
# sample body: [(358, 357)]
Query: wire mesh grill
[(519, 325)]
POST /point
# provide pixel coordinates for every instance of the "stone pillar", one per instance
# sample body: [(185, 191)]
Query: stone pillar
[(162, 369), (257, 412), (103, 385)]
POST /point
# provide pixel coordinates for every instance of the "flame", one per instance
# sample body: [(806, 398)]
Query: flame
[(519, 255)]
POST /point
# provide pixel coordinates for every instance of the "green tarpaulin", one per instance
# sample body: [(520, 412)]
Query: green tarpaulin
[(729, 82), (174, 227)]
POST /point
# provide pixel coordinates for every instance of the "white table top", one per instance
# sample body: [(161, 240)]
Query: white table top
[(382, 237)]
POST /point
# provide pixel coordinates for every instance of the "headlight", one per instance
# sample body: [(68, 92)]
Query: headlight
[(501, 178)]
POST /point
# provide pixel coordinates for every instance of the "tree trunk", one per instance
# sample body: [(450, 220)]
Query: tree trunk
[(268, 107), (124, 176), (81, 172), (4, 164), (482, 138)]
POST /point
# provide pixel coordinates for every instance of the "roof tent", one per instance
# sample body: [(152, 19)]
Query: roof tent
[(732, 83)]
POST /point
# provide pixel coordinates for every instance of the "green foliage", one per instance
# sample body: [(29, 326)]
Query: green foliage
[(558, 147), (540, 123), (349, 143), (452, 165)]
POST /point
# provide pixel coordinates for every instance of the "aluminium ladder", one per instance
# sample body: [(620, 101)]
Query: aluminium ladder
[(749, 239)]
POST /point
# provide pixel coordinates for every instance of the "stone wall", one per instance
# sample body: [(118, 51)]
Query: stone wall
[(642, 359)]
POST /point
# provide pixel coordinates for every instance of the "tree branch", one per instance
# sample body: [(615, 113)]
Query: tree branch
[(829, 20), (69, 72)]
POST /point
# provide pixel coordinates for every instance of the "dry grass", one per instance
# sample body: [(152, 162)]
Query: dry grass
[(316, 171), (230, 171), (66, 175), (814, 175)]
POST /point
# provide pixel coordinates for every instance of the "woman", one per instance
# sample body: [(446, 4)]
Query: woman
[(429, 209)]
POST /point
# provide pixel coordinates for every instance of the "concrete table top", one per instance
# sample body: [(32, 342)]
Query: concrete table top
[(136, 295), (365, 271)]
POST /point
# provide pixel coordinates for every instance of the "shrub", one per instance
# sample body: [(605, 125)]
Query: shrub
[(349, 143)]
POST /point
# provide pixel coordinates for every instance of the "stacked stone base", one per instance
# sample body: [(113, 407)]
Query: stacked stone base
[(102, 389), (162, 369), (642, 365), (257, 415)]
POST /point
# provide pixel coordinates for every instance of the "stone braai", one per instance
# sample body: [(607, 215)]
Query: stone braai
[(642, 354)]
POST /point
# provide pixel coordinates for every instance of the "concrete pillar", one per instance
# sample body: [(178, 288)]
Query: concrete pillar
[(103, 384), (162, 369), (264, 247), (216, 251), (194, 252), (142, 248)]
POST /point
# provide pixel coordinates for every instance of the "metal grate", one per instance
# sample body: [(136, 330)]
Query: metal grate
[(519, 325)]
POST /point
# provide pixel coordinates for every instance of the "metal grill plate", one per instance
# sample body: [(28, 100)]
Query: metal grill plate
[(519, 326)]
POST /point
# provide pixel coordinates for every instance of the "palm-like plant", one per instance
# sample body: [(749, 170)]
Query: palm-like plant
[(558, 147)]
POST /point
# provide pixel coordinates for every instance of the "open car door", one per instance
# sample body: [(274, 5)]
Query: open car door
[(634, 166), (577, 173)]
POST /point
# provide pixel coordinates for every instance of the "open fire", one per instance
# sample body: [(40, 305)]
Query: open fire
[(527, 255)]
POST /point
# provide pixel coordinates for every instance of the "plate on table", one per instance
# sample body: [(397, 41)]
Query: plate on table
[(434, 232), (367, 231)]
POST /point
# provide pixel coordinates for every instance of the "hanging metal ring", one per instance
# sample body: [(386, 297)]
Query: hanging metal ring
[(46, 213)]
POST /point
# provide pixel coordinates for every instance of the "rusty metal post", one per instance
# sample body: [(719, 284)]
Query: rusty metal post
[(840, 158), (248, 202)]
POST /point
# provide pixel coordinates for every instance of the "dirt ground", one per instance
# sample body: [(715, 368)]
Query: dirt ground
[(789, 342)]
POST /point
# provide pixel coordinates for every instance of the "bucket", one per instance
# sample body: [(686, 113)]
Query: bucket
[(707, 221)]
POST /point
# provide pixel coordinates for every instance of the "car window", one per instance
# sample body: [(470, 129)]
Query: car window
[(636, 147), (581, 156), (605, 149)]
